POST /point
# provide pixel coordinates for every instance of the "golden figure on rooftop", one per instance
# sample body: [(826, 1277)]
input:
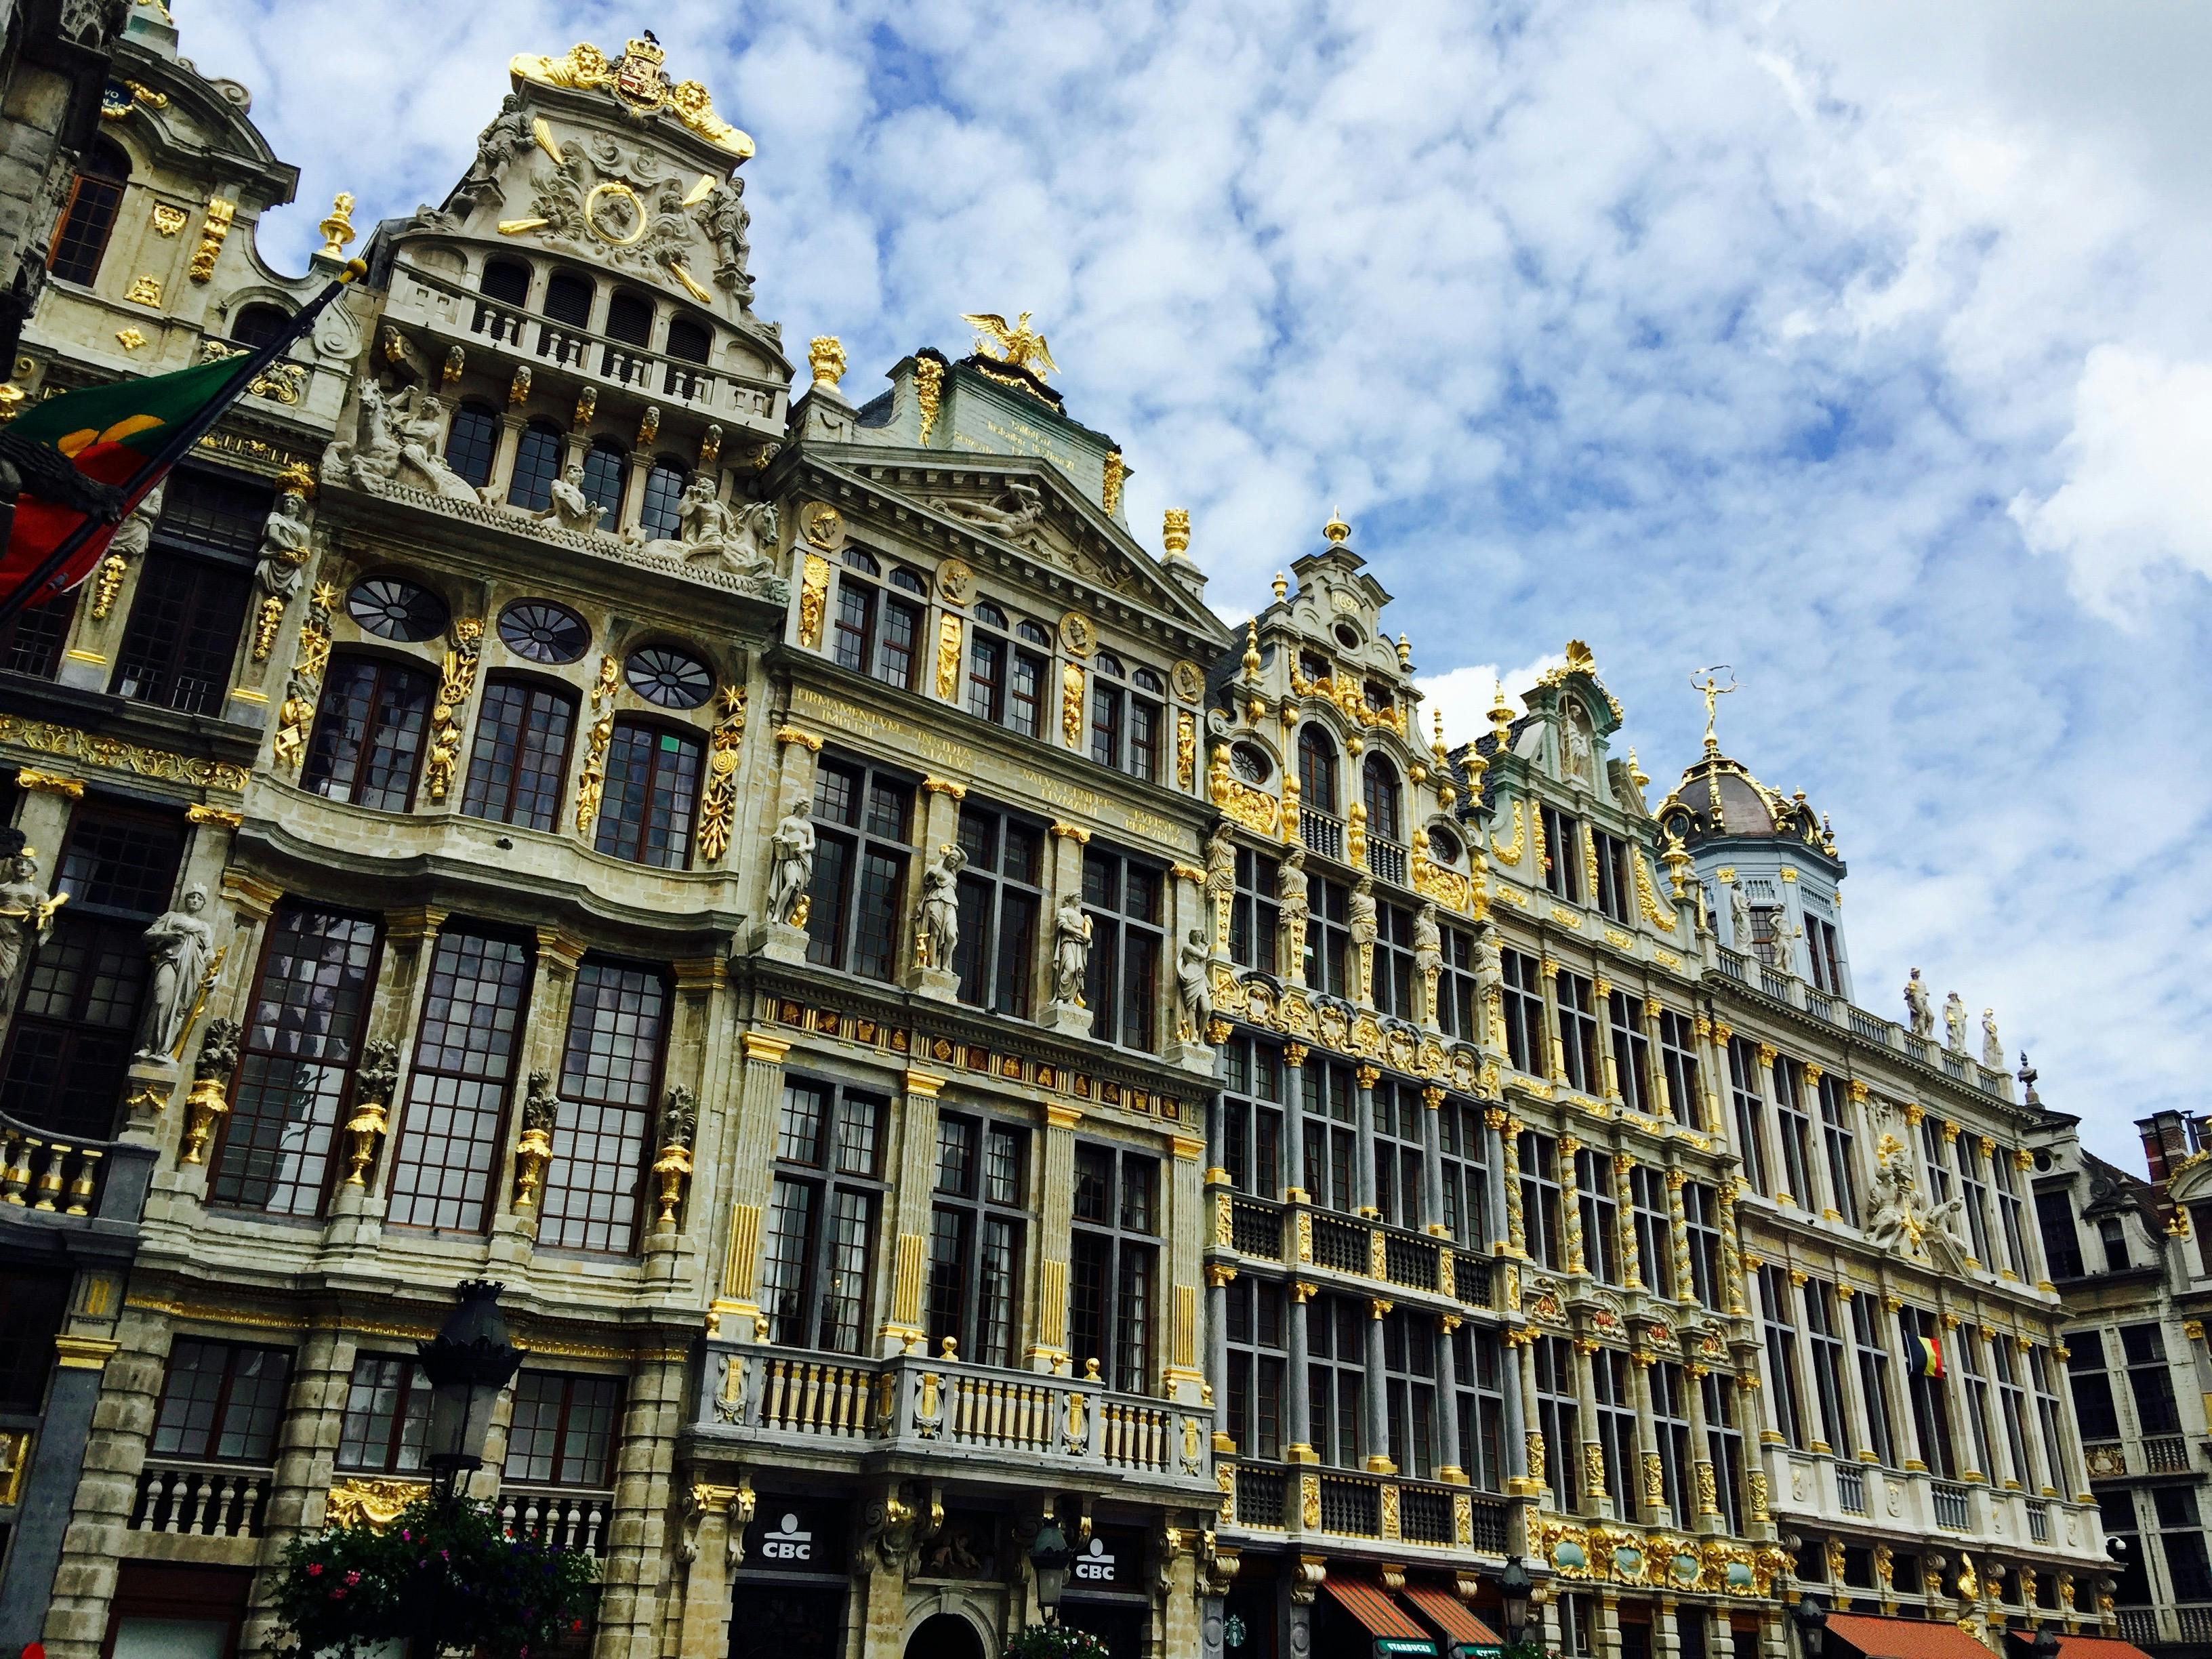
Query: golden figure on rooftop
[(1020, 346)]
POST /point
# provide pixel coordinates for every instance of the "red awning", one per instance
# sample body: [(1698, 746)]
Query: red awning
[(1458, 1626), (1906, 1638), (1365, 1601)]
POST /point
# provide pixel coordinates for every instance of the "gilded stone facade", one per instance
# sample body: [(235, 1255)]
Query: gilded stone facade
[(930, 1027)]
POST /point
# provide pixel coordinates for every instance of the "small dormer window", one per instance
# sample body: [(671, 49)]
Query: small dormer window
[(1031, 633), (629, 319), (989, 614), (1444, 847), (257, 325), (1312, 666), (506, 281), (907, 579), (1108, 663), (1145, 680), (1380, 696), (1249, 761), (569, 299)]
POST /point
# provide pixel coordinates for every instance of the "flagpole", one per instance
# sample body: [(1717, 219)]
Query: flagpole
[(176, 445)]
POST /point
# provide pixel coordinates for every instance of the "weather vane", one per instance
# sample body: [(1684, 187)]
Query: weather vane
[(1713, 691)]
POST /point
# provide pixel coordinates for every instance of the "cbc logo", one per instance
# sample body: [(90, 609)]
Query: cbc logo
[(787, 1542), (1097, 1566)]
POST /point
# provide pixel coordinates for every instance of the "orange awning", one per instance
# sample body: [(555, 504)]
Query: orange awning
[(1458, 1625), (1365, 1601), (1905, 1639)]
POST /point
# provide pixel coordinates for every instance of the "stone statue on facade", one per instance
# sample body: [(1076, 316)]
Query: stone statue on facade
[(1954, 1024), (1360, 913), (1221, 865), (1739, 918), (541, 1106), (743, 539), (1901, 1219), (1428, 941), (26, 911), (724, 217), (1992, 1045), (1919, 1013), (419, 424), (1579, 750), (1489, 965), (283, 547), (1194, 985), (177, 946), (567, 506), (132, 536), (1071, 949), (400, 432), (508, 132), (1012, 512), (937, 918), (1295, 906), (791, 864)]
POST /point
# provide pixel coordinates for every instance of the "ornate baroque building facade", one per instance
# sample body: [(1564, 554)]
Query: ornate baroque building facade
[(931, 1028)]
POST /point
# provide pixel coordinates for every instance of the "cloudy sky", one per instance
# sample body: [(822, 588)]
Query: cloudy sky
[(1861, 347)]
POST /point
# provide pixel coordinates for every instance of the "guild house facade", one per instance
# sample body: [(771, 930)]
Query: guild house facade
[(933, 1031)]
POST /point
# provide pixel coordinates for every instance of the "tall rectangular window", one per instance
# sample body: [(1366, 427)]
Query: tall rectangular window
[(863, 847), (366, 746), (2062, 1240), (1332, 1111), (1781, 1331), (2058, 1471), (1557, 1417), (1824, 1358), (1409, 1382), (2011, 1219), (387, 1416), (2150, 1379), (564, 1428), (1794, 1129), (1616, 1432), (977, 1221), (2181, 1535), (1113, 1260), (1337, 1379), (1540, 1198), (1401, 1160), (823, 1215), (451, 1131), (1328, 964), (1001, 898), (1724, 1445), (1701, 1213), (78, 1022), (1562, 855), (1823, 946), (1393, 979), (1259, 1353), (518, 759), (222, 1400), (1454, 1014), (1251, 1126), (1523, 998), (1920, 1338), (609, 1087), (1670, 1426), (193, 586), (1255, 912), (1601, 1213), (1938, 1161), (1836, 1137), (1479, 1370), (2011, 1409), (32, 639), (1874, 1380), (1632, 1050), (1750, 1101), (1967, 1344), (1125, 901), (1678, 1056), (1616, 889), (1464, 1144), (1655, 1229), (652, 795), (301, 1046), (1577, 1032)]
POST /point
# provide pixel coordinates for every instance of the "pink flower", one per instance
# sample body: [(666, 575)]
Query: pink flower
[(353, 1578), (314, 1569), (337, 1595)]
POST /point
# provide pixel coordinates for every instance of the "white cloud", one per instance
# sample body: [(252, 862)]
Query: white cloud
[(1465, 694)]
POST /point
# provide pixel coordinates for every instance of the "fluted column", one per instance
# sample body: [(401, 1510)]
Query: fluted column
[(751, 1162), (1713, 1036), (1526, 1452), (1547, 975), (1707, 1517), (1608, 1064), (915, 1167), (1649, 1477), (1661, 1095)]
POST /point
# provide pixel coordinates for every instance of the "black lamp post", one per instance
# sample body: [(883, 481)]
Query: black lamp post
[(1811, 1620), (1050, 1556), (1515, 1590), (467, 1365), (2046, 1645)]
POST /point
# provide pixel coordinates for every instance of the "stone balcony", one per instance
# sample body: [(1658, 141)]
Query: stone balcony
[(1289, 1501), (68, 1184), (1358, 1254), (1809, 1486)]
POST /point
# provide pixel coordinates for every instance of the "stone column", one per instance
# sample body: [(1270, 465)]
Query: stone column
[(1678, 1231), (1731, 1250), (49, 1488), (307, 1448), (1375, 1397), (511, 424), (916, 1165), (410, 942), (1505, 1139), (655, 1414), (1648, 1479), (716, 1517), (1432, 1167), (749, 1163), (1596, 1499), (1547, 975), (1048, 1350), (1526, 1454), (1609, 1063), (1703, 1473), (1182, 1379), (1298, 1402), (1661, 1095), (1624, 1209), (1570, 1203), (1218, 1277), (1448, 1468), (1294, 1124), (1363, 1176)]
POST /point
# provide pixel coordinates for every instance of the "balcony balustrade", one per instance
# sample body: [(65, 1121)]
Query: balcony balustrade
[(1346, 1505), (561, 1517), (201, 1500)]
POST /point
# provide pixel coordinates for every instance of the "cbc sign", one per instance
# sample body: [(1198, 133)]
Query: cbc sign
[(787, 1543), (1096, 1566)]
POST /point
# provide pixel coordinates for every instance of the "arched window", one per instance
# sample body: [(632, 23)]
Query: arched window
[(518, 759), (506, 281), (1316, 770), (652, 795), (1125, 724), (367, 741), (1444, 847), (660, 515), (95, 196), (877, 631), (257, 325), (629, 319), (536, 463), (689, 340), (606, 469), (472, 441), (1005, 684), (1380, 794), (568, 313)]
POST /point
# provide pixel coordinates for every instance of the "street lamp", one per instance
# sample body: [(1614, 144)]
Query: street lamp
[(1516, 1589), (467, 1365), (2046, 1645), (1812, 1617), (1048, 1559)]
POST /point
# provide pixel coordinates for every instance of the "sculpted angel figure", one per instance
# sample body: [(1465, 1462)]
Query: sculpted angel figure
[(790, 862), (1954, 1023), (937, 920), (177, 946), (26, 911), (1194, 988), (1919, 1012), (567, 506), (1071, 949)]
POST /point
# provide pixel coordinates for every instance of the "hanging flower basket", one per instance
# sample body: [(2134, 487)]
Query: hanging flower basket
[(1057, 1641), (444, 1579)]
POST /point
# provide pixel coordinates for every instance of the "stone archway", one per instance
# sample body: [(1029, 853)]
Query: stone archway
[(944, 1636)]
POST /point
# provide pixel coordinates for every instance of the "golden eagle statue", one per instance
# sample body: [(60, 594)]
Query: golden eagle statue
[(1020, 346)]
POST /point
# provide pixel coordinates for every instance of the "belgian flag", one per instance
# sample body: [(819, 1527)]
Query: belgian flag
[(1928, 1357), (87, 457)]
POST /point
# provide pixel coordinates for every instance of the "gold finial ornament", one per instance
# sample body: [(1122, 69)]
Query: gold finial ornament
[(1251, 664), (1174, 531), (1336, 530), (1018, 346), (1713, 691), (1405, 652), (337, 229), (1282, 588), (825, 355), (1501, 719)]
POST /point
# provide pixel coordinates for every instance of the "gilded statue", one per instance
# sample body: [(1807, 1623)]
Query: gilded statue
[(1017, 347), (27, 912), (179, 944)]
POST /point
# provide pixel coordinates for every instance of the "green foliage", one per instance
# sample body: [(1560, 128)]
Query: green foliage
[(445, 1579), (1057, 1641)]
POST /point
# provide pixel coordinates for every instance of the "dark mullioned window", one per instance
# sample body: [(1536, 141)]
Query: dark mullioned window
[(1000, 900), (518, 759), (387, 1416), (1124, 899), (367, 741), (191, 597), (823, 1216), (977, 1222), (1114, 1262), (563, 1431), (449, 1136), (652, 795), (222, 1400), (609, 1079), (88, 217), (860, 860)]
